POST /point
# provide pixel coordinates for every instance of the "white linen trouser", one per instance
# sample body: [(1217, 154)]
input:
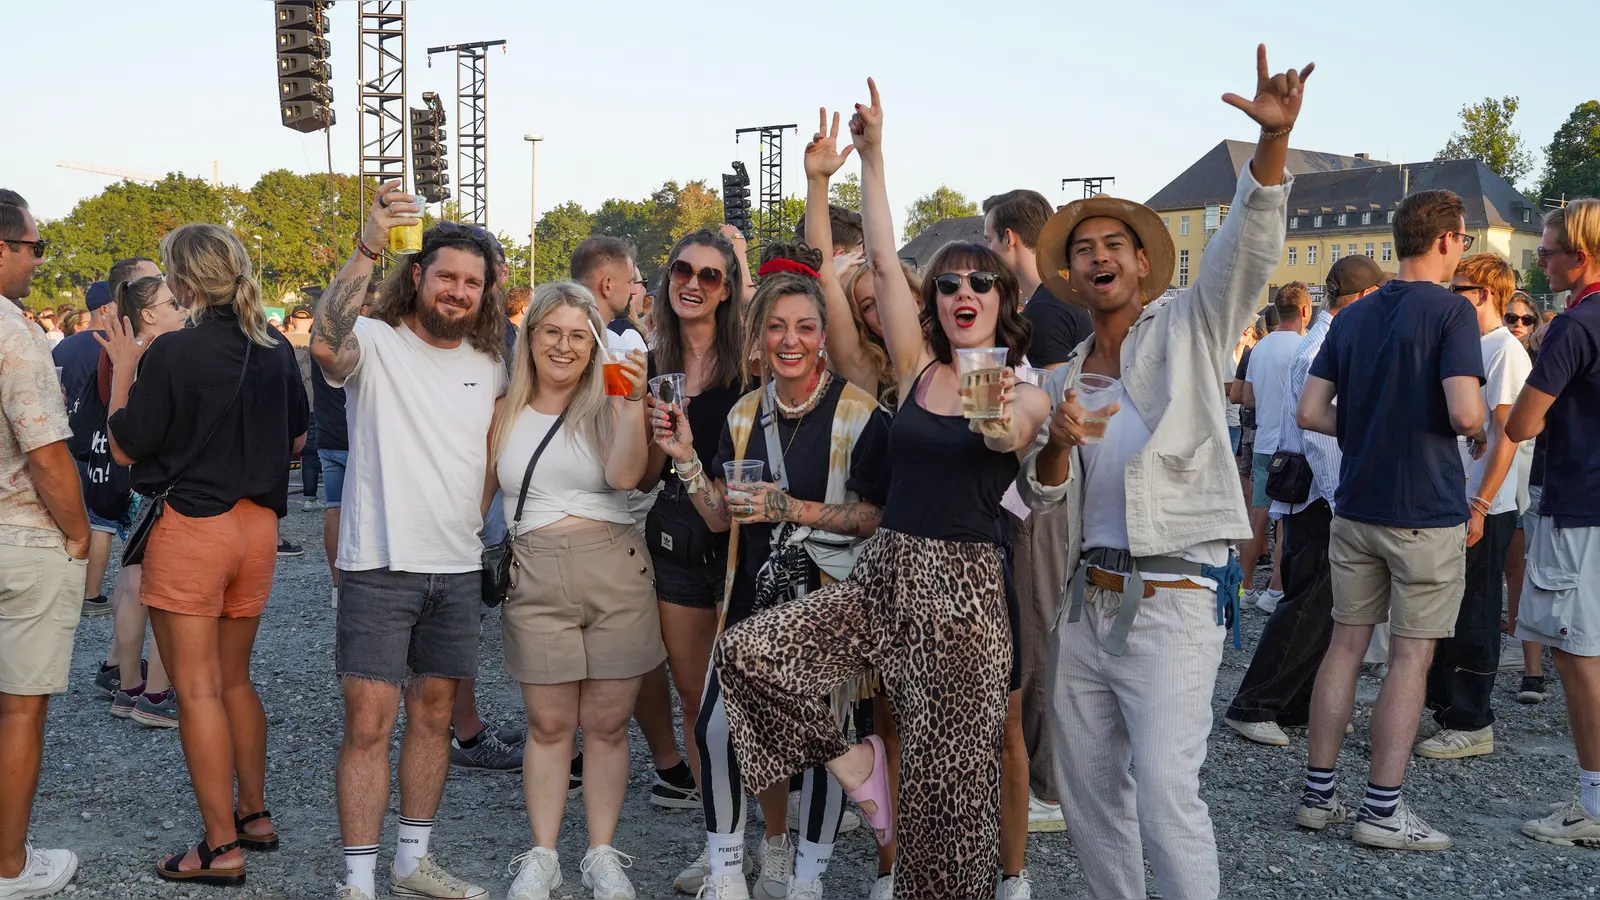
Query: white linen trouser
[(1151, 707)]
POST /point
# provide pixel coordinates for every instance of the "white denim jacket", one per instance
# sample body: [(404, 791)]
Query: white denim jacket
[(1183, 487)]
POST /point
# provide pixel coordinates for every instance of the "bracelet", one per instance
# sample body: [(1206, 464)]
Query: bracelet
[(1274, 135), (690, 471), (365, 250)]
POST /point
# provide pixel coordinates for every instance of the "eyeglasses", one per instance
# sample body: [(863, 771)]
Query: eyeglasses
[(1544, 254), (1513, 318), (550, 336), (709, 278), (950, 282), (1466, 240), (1464, 288), (39, 246)]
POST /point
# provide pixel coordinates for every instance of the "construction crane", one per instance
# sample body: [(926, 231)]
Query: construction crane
[(144, 177)]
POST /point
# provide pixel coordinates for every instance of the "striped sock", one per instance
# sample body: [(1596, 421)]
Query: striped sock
[(1381, 799), (413, 846), (1321, 782), (361, 868)]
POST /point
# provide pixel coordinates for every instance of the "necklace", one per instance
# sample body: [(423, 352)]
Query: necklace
[(808, 404)]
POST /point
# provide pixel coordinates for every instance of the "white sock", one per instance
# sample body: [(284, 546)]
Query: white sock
[(413, 846), (725, 852), (811, 860), (361, 868), (1589, 791)]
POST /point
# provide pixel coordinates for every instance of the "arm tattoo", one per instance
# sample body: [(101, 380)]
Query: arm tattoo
[(848, 518), (337, 313), (776, 506), (715, 502)]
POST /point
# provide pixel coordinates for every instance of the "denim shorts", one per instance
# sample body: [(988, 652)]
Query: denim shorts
[(396, 625), (681, 584), (333, 474)]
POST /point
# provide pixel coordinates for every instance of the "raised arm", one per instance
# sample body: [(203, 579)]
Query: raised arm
[(897, 307), (844, 344), (333, 336)]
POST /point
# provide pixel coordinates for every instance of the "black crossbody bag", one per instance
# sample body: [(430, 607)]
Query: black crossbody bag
[(1289, 477), (154, 507), (498, 560)]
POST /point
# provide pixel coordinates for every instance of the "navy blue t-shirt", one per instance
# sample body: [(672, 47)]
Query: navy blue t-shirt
[(1388, 355), (78, 356), (327, 407), (1569, 370)]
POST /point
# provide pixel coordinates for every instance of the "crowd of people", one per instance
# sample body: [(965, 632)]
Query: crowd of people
[(960, 546)]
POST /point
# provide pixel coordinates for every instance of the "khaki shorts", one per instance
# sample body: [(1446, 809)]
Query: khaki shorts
[(1412, 578), (41, 596), (581, 605)]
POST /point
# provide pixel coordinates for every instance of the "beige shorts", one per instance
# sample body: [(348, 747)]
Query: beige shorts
[(41, 596), (581, 605), (1412, 578)]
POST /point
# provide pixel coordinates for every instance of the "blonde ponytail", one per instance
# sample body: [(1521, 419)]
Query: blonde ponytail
[(209, 266)]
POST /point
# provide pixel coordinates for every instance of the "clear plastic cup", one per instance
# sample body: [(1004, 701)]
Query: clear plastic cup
[(616, 380), (981, 370), (1096, 394), (743, 471), (668, 389), (1031, 375)]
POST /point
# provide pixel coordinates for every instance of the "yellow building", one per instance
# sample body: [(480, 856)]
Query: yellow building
[(1340, 206)]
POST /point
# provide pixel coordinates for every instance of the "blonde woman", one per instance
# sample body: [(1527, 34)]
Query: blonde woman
[(210, 426), (580, 626)]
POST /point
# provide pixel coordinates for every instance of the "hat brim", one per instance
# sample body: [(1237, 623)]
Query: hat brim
[(1054, 269)]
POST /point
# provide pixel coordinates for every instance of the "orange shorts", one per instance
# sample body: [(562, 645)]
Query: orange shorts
[(218, 566)]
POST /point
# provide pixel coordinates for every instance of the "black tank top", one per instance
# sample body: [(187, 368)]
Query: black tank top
[(944, 482)]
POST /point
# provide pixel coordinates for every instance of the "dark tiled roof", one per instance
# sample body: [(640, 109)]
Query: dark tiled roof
[(921, 248), (1491, 201), (1213, 177)]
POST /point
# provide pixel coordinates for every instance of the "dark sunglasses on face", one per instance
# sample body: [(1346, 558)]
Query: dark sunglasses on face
[(1513, 318), (682, 270), (39, 246), (949, 282), (1464, 288)]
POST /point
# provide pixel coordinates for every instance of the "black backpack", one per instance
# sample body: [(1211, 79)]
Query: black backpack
[(108, 488)]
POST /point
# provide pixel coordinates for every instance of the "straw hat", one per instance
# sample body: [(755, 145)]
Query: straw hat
[(1146, 225)]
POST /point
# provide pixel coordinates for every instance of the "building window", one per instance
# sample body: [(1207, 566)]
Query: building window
[(1366, 219), (1183, 263), (1368, 250), (1527, 215), (1390, 219), (1294, 252), (1316, 221), (1215, 213), (1166, 222), (1388, 251), (1311, 254), (1350, 250), (1183, 224), (1527, 259), (1294, 222), (1342, 218), (1333, 254)]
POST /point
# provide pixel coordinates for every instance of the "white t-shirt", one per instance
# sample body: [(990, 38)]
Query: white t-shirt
[(1506, 365), (418, 420), (570, 479), (1267, 374), (1105, 493), (628, 339)]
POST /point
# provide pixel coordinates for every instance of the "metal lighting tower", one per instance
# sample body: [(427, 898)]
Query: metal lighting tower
[(382, 70), (472, 129), (771, 211), (1092, 186)]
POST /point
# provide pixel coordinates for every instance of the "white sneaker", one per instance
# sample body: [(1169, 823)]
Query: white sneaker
[(351, 892), (44, 872), (1426, 730), (777, 868), (883, 888), (1567, 825), (728, 887), (848, 822), (1448, 743), (602, 870), (430, 882), (1267, 733), (690, 879), (1018, 888), (1268, 601), (538, 873), (313, 505), (804, 890), (1044, 817), (1316, 813), (1404, 830)]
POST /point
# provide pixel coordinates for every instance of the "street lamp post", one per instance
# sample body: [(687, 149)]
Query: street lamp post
[(533, 212), (258, 255)]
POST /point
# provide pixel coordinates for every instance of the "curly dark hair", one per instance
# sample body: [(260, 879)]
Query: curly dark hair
[(770, 289), (1011, 330)]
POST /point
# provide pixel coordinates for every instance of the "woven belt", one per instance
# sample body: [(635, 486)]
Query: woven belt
[(1111, 581), (1101, 566)]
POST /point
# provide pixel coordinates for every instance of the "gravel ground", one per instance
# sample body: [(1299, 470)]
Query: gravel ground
[(118, 794)]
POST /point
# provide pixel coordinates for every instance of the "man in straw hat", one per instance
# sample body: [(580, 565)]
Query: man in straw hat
[(1137, 449)]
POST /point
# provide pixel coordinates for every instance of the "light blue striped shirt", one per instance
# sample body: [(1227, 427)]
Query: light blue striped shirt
[(1321, 450)]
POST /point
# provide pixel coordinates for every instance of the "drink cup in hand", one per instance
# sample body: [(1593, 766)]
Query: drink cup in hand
[(1096, 394), (982, 373), (617, 383)]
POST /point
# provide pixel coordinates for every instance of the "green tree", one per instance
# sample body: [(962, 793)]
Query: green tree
[(846, 192), (787, 215), (1572, 160), (1486, 135), (559, 232), (943, 203), (306, 225)]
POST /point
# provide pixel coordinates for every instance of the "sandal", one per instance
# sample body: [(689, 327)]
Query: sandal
[(168, 869), (875, 790), (260, 843)]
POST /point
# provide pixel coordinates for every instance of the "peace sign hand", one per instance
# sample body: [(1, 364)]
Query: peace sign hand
[(866, 126), (822, 155), (1277, 102)]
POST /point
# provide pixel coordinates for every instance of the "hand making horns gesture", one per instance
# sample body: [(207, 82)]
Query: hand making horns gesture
[(1277, 102)]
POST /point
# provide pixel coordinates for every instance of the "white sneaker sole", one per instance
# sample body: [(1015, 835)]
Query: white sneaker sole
[(1454, 752), (1396, 843), (1305, 819), (1241, 728), (1046, 826), (150, 721)]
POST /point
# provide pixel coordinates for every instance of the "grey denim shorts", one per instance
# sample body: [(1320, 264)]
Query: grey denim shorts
[(397, 625)]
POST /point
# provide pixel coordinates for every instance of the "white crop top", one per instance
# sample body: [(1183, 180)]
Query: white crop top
[(570, 479)]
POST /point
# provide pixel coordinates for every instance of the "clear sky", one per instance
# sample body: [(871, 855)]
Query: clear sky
[(628, 93)]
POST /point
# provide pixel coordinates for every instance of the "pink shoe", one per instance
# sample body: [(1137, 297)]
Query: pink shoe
[(875, 790)]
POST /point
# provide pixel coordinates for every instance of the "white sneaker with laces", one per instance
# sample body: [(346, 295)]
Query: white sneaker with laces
[(777, 868), (602, 870), (351, 892), (44, 872), (848, 822), (1268, 601), (1404, 830), (430, 882), (1267, 733), (1427, 729), (883, 888), (1316, 813), (1018, 888), (690, 879), (804, 890), (728, 887), (1448, 743), (1567, 825), (538, 872), (1044, 817)]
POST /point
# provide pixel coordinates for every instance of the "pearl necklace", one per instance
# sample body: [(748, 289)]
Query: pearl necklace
[(810, 402)]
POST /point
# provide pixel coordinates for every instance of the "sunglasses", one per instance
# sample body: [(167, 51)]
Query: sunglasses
[(981, 282), (1513, 318), (1464, 288), (39, 246), (710, 279)]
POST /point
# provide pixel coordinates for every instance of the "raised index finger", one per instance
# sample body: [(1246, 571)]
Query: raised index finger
[(1261, 62), (822, 120), (872, 88)]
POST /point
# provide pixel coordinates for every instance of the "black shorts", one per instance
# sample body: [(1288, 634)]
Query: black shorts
[(1013, 613), (697, 587)]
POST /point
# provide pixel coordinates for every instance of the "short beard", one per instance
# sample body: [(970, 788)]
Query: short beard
[(441, 326)]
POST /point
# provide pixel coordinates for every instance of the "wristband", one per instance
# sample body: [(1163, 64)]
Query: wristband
[(366, 251), (1274, 135)]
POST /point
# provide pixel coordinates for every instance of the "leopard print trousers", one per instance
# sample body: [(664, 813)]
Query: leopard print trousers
[(930, 616)]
